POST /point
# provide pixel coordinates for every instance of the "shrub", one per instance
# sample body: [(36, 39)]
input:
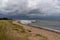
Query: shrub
[(29, 30)]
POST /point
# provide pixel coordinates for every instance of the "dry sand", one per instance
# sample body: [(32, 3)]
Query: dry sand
[(49, 34)]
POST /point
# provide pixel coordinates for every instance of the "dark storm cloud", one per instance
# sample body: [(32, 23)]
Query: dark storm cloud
[(30, 7)]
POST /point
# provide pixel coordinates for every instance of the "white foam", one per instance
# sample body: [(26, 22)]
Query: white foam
[(26, 21)]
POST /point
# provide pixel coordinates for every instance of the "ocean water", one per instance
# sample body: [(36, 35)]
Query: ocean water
[(51, 25)]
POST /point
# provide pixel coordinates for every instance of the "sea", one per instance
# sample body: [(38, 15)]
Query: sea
[(47, 24)]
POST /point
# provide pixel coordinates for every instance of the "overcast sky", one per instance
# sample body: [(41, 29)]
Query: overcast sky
[(41, 7)]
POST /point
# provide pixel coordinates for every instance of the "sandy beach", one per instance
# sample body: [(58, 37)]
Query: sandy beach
[(49, 34)]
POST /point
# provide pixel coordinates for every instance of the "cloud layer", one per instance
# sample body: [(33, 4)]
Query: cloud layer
[(30, 7)]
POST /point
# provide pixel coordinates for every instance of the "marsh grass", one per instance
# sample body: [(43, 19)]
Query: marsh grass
[(5, 27), (3, 30), (16, 27)]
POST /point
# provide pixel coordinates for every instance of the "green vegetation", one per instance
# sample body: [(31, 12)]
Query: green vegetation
[(7, 28), (29, 30), (5, 18)]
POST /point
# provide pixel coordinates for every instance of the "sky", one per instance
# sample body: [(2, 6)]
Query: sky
[(30, 7)]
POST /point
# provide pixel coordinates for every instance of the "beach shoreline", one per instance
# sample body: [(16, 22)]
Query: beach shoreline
[(49, 34), (56, 31)]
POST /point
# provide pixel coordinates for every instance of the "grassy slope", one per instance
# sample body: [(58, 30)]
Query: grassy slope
[(10, 31), (7, 28)]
